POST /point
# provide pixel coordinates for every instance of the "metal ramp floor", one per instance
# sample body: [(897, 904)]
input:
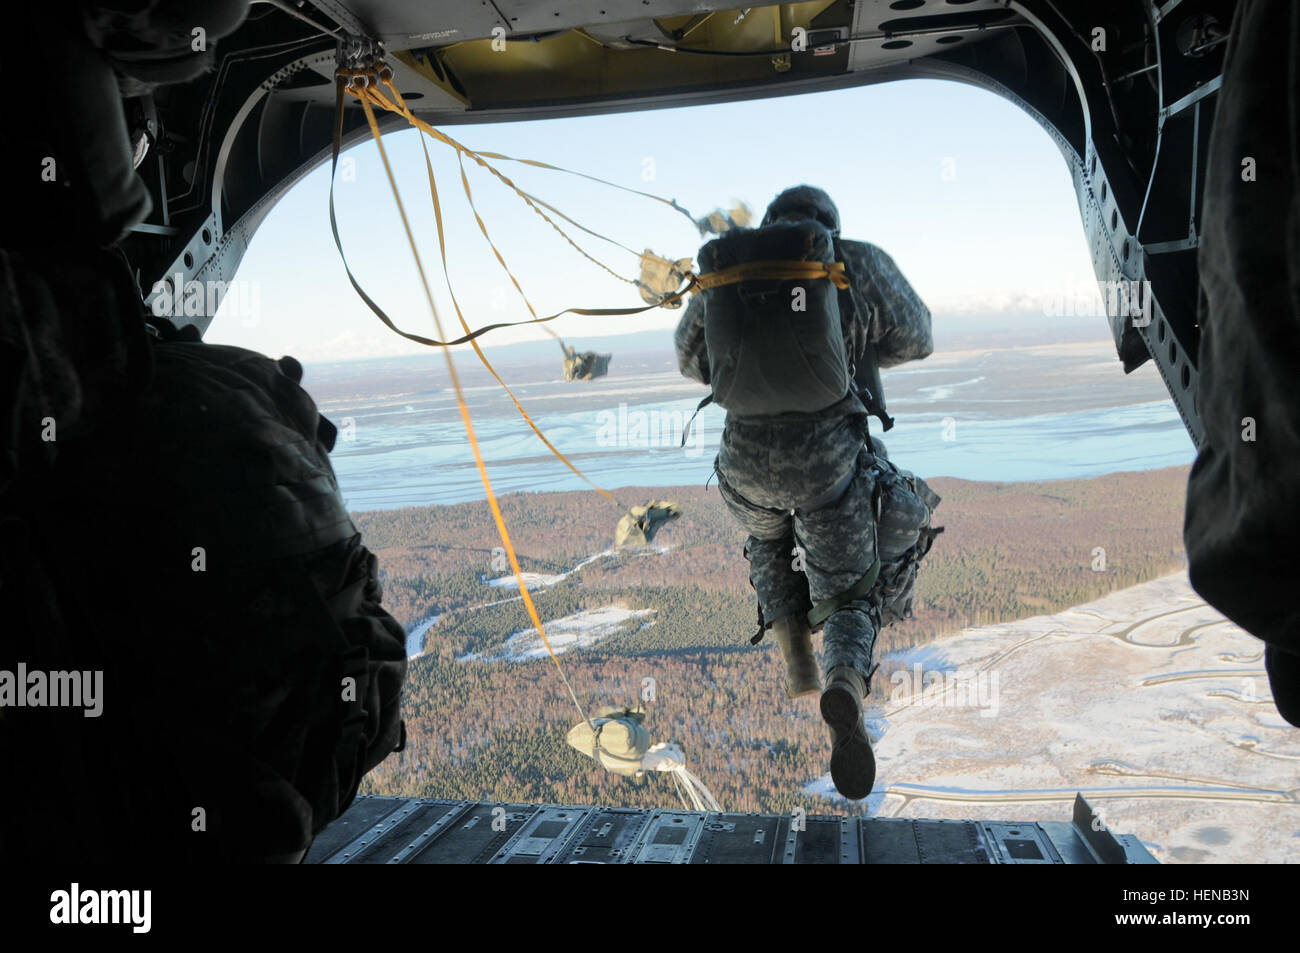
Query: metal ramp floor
[(386, 830)]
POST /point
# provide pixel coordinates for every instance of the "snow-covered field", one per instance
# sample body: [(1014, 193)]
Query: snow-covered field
[(1147, 701), (541, 580), (581, 630), (415, 635), (533, 580)]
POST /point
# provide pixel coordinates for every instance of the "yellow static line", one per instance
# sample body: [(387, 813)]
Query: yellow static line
[(465, 417)]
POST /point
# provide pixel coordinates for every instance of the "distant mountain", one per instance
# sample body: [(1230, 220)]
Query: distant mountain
[(653, 350), (1015, 329)]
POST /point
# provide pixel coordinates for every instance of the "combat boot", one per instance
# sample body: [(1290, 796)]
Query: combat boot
[(853, 766), (795, 639)]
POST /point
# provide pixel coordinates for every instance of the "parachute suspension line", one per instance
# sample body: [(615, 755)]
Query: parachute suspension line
[(578, 225), (460, 316), (671, 203), (356, 83), (384, 102), (464, 178), (465, 417), (363, 84), (482, 228), (699, 792), (678, 788), (643, 257)]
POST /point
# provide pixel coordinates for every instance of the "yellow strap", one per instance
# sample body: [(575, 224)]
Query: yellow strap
[(464, 415), (347, 79), (368, 90), (442, 247), (752, 270), (383, 101), (386, 78), (671, 203)]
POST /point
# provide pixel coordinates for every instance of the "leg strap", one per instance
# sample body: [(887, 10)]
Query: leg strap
[(823, 610)]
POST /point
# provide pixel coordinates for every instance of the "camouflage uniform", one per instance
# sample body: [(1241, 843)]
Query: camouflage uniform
[(804, 486), (805, 479), (786, 483), (880, 288)]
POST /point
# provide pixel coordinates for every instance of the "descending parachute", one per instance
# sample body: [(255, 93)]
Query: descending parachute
[(639, 525), (618, 740), (719, 220), (584, 366), (660, 278)]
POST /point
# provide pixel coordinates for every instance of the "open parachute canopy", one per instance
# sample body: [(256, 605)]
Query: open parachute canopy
[(618, 740), (639, 525), (585, 365)]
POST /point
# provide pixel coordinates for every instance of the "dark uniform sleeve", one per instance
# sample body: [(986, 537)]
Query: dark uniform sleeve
[(856, 314), (1243, 495), (898, 320), (692, 354)]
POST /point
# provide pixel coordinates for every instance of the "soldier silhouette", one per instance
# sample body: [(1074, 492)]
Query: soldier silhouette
[(834, 528)]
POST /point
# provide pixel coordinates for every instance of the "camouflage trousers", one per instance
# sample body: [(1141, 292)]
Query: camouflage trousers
[(804, 494)]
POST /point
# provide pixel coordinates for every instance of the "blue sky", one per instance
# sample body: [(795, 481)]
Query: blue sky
[(968, 194)]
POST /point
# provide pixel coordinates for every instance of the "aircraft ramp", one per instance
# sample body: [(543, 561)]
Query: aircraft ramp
[(386, 830)]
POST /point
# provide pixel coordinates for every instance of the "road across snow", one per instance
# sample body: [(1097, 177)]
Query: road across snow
[(1147, 701), (540, 580)]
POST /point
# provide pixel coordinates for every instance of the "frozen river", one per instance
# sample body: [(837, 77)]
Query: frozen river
[(1011, 414)]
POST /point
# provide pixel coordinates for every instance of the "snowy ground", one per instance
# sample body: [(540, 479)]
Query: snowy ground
[(541, 580), (415, 635), (533, 580), (1147, 701), (581, 630)]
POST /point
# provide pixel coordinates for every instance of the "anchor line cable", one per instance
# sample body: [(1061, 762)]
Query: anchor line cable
[(465, 417)]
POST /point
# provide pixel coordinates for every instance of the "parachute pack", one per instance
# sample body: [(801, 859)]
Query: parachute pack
[(781, 342)]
